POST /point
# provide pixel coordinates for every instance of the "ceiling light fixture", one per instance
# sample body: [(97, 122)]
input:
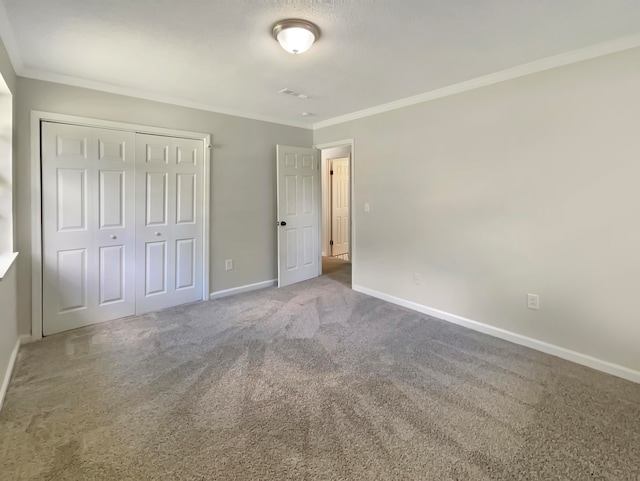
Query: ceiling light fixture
[(295, 36)]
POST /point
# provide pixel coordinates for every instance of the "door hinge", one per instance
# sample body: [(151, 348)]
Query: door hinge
[(331, 172), (330, 243)]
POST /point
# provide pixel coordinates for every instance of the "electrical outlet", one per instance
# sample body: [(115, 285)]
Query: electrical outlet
[(228, 264), (533, 301), (417, 279)]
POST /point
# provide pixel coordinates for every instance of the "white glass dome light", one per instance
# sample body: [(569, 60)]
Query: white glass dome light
[(295, 36)]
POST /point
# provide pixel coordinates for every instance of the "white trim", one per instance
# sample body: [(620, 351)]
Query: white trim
[(561, 352), (36, 199), (241, 289), (9, 372), (352, 209), (25, 339), (36, 227), (206, 229), (115, 125), (154, 97), (6, 261), (593, 51)]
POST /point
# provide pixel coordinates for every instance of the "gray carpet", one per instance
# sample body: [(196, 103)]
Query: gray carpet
[(309, 382), (337, 269)]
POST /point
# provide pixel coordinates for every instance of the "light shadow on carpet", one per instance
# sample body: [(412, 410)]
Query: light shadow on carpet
[(309, 382)]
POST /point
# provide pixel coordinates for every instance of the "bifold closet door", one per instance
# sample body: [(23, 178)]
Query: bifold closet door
[(169, 207), (88, 225)]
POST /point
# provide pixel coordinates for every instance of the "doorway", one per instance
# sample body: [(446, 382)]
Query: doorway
[(336, 225)]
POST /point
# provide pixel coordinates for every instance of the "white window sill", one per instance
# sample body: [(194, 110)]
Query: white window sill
[(6, 261)]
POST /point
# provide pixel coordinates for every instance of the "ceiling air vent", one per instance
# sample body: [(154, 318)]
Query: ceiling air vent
[(294, 93)]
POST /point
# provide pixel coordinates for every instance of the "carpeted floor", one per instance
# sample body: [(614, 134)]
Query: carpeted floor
[(309, 382), (337, 269)]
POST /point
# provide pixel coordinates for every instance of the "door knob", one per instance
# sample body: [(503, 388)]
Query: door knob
[(114, 236), (283, 223), (158, 233)]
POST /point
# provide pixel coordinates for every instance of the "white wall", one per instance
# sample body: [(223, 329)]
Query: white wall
[(527, 186), (243, 176)]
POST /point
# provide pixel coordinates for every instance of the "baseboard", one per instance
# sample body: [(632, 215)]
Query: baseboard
[(25, 339), (561, 352), (241, 289), (7, 375)]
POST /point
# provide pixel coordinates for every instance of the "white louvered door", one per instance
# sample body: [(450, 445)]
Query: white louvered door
[(88, 226), (122, 224)]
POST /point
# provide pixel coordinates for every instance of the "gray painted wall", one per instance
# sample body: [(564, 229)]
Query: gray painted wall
[(8, 319), (527, 186), (243, 176), (8, 73)]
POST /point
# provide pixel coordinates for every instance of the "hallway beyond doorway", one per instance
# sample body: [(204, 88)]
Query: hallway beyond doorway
[(337, 269)]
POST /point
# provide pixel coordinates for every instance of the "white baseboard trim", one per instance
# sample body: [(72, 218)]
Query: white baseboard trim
[(7, 374), (561, 352), (25, 339), (241, 289)]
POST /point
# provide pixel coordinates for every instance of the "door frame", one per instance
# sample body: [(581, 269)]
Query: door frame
[(37, 117), (352, 210)]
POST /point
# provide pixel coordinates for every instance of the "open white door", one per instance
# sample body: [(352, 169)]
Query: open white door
[(340, 206), (298, 214)]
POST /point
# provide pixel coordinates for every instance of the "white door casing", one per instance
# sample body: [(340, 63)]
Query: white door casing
[(340, 206), (88, 225), (298, 214), (168, 231)]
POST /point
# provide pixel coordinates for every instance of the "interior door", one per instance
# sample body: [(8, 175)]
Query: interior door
[(88, 225), (169, 228), (298, 214), (340, 206)]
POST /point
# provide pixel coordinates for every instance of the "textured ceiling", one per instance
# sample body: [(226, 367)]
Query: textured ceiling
[(220, 55)]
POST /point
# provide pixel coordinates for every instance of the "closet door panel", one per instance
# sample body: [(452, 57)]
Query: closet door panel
[(170, 201), (87, 231)]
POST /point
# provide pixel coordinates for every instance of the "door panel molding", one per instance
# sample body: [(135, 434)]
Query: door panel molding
[(298, 210), (160, 201), (73, 214), (108, 153)]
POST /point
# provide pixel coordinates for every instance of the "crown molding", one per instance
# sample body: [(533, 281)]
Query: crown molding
[(574, 56), (593, 51), (166, 99)]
